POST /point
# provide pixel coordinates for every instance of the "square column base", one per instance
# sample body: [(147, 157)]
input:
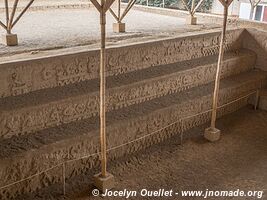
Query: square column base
[(191, 20), (10, 39), (118, 27), (212, 134), (104, 183)]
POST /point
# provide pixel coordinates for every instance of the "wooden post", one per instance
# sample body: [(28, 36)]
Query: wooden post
[(103, 93), (218, 72), (192, 7), (191, 19), (10, 21), (119, 27), (212, 133), (7, 13), (119, 10), (104, 180), (10, 39)]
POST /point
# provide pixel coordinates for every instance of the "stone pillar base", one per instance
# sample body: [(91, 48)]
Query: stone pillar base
[(10, 39), (119, 27), (104, 183), (191, 20), (212, 134)]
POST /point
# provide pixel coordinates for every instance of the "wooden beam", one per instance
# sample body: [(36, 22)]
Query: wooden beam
[(3, 25), (223, 3), (114, 14), (186, 6), (97, 5), (229, 3), (102, 91), (119, 9), (192, 6), (107, 5), (256, 3), (197, 6), (9, 25), (7, 11), (22, 13), (128, 8)]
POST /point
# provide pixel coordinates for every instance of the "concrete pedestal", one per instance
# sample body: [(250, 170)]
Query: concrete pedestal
[(191, 20), (212, 134), (104, 183), (10, 39), (118, 27)]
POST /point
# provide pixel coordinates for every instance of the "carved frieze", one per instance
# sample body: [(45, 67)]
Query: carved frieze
[(85, 106), (62, 70)]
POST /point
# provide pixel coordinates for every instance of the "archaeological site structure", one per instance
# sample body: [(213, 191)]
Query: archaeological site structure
[(77, 101)]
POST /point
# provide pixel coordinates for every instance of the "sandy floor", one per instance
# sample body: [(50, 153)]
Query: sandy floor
[(23, 3), (59, 28), (237, 161)]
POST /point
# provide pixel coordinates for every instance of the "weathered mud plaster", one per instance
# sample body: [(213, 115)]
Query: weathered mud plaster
[(66, 144), (19, 117), (256, 40), (49, 105), (21, 77)]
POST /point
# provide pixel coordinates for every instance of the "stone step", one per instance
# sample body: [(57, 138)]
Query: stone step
[(23, 156), (42, 109)]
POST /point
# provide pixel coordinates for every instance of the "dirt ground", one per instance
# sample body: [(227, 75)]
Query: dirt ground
[(237, 161)]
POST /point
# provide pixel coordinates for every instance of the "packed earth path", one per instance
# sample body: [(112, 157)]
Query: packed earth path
[(237, 162)]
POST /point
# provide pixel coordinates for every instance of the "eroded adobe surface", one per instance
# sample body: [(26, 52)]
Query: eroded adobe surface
[(49, 104)]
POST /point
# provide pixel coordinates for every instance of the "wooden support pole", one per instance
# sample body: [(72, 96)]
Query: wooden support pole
[(22, 13), (7, 12), (114, 14), (103, 92), (3, 25), (9, 25), (186, 6), (192, 7), (127, 9), (197, 6), (103, 181), (212, 133), (218, 71), (119, 10)]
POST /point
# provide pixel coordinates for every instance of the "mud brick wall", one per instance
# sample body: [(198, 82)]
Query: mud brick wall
[(256, 40), (23, 121), (24, 76), (28, 76), (132, 129)]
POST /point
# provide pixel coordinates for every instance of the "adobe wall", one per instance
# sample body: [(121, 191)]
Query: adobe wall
[(256, 40), (34, 73)]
